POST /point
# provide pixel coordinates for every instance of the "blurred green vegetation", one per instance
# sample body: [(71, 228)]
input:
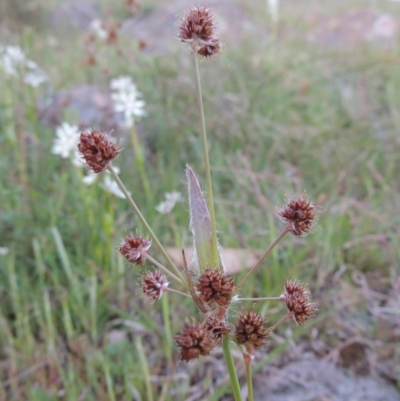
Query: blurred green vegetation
[(282, 119)]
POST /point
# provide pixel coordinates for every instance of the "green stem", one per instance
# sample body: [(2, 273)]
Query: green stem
[(163, 268), (280, 298), (203, 132), (231, 369), (263, 256), (144, 222), (167, 326), (249, 379), (145, 367), (139, 158)]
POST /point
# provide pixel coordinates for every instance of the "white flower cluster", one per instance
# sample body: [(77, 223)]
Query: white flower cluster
[(171, 198), (127, 100), (97, 27), (65, 144), (14, 62)]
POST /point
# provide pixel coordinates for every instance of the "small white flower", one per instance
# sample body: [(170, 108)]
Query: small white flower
[(121, 84), (11, 58), (14, 63), (66, 141), (273, 9), (111, 186), (127, 100), (35, 78), (171, 198), (97, 27), (4, 250)]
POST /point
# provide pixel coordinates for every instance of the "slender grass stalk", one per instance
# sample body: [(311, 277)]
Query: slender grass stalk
[(231, 368), (139, 158), (109, 380), (262, 299), (93, 306), (145, 367), (203, 133), (167, 326), (144, 222), (178, 292), (263, 256), (163, 268), (247, 361)]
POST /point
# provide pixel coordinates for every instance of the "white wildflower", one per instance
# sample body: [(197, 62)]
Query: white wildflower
[(35, 78), (4, 250), (111, 186), (97, 27), (273, 9), (171, 198), (15, 63), (127, 100), (66, 141), (121, 84)]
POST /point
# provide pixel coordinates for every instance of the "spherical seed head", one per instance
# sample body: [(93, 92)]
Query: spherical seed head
[(197, 28), (194, 340), (97, 149), (298, 301), (250, 330), (215, 286), (300, 215), (154, 284), (134, 249), (197, 24), (216, 327)]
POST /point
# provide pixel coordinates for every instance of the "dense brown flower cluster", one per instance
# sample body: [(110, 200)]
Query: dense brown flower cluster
[(298, 301), (215, 286), (217, 327), (300, 214), (97, 149), (134, 249), (250, 330), (154, 284), (197, 28), (195, 340)]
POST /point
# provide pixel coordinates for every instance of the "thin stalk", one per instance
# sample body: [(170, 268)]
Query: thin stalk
[(288, 316), (145, 367), (263, 256), (203, 132), (247, 361), (163, 268), (178, 292), (167, 326), (231, 369), (280, 298), (139, 158), (144, 222)]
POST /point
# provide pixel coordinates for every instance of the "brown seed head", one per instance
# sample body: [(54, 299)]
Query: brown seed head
[(215, 286), (97, 149), (197, 28), (194, 340), (250, 330), (298, 301), (154, 284), (134, 249), (217, 327), (210, 49), (300, 214)]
